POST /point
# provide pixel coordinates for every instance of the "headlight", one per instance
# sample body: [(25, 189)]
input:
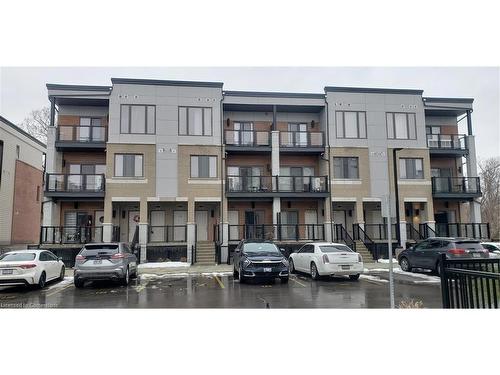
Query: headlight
[(246, 263)]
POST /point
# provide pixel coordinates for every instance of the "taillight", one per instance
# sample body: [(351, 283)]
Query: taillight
[(80, 257), (325, 259), (118, 256), (457, 251), (27, 266)]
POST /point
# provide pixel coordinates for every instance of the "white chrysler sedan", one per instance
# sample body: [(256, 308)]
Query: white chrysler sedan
[(30, 267), (326, 259)]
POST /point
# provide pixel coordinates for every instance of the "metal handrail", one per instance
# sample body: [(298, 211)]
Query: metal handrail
[(447, 141), (456, 185), (81, 133), (413, 233), (65, 182), (168, 233), (297, 138), (266, 184), (247, 138)]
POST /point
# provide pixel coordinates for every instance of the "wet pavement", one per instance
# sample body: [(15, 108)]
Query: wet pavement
[(221, 291)]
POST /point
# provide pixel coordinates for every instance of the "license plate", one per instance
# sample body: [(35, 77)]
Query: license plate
[(268, 269), (346, 267), (7, 272), (98, 261), (476, 255)]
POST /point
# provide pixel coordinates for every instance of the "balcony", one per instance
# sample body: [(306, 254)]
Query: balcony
[(310, 142), (167, 234), (81, 137), (480, 231), (276, 186), (75, 186), (278, 232), (447, 144), (247, 140), (456, 187), (77, 235)]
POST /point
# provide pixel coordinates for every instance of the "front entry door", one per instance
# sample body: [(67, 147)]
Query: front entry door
[(313, 231), (133, 222), (233, 219), (252, 229), (289, 220), (180, 220), (157, 233), (201, 218)]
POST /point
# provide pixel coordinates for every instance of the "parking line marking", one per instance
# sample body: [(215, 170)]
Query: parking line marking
[(298, 282), (58, 290), (219, 281)]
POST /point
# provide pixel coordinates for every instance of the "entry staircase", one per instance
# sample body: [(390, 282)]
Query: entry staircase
[(363, 250), (205, 252)]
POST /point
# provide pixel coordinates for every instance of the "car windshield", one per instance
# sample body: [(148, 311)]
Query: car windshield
[(334, 249), (261, 248), (92, 250), (17, 257)]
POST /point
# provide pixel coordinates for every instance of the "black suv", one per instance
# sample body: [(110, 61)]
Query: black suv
[(259, 259), (426, 254)]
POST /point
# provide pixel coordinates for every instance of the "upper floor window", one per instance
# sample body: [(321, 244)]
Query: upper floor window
[(401, 125), (345, 167), (203, 166), (411, 168), (138, 119), (351, 124), (195, 121), (129, 165)]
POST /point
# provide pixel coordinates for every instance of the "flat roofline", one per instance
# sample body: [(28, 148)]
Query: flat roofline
[(447, 100), (373, 90), (159, 82), (19, 130), (55, 86), (270, 94)]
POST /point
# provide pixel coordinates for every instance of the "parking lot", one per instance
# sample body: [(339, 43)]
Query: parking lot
[(219, 290)]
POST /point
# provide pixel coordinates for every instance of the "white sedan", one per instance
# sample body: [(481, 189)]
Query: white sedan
[(30, 267), (326, 259), (493, 248)]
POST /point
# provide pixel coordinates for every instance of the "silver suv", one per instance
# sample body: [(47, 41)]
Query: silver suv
[(105, 261)]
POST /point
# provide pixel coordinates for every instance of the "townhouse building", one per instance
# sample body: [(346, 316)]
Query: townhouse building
[(186, 169), (21, 187)]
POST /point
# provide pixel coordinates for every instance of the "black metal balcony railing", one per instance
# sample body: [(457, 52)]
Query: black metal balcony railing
[(248, 138), (469, 230), (456, 185), (75, 234), (84, 134), (278, 184), (446, 141), (278, 232), (379, 231), (167, 233), (301, 139), (68, 183), (412, 233)]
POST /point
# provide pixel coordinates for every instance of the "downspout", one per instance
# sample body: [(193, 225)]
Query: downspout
[(329, 165), (222, 176)]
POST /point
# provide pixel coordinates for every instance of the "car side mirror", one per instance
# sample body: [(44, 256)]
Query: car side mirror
[(283, 250), (59, 258)]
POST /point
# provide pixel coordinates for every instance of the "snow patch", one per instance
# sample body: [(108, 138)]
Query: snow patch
[(409, 274), (373, 278), (164, 265), (217, 273), (386, 261), (67, 280)]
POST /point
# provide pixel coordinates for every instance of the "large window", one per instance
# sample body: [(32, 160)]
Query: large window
[(351, 124), (411, 168), (195, 121), (129, 165), (138, 119), (345, 168), (401, 125), (203, 166)]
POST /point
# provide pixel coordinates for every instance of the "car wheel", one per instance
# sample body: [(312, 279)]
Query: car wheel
[(42, 280), (61, 275), (291, 266), (78, 283), (354, 277), (405, 264), (126, 278), (314, 271), (241, 278), (284, 280)]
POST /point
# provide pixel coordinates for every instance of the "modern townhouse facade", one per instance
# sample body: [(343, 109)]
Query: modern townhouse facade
[(186, 169), (21, 188)]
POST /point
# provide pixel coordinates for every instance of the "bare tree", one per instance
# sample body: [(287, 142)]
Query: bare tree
[(490, 201), (37, 123)]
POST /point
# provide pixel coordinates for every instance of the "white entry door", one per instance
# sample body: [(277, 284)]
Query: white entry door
[(233, 219), (180, 220), (313, 231), (201, 219), (157, 232), (133, 222)]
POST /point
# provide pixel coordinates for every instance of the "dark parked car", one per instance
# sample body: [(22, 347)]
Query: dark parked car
[(105, 261), (255, 259), (427, 254)]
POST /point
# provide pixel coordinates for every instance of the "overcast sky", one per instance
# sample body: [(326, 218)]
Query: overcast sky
[(23, 89)]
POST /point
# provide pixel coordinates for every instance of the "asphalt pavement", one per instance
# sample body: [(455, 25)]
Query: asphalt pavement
[(220, 290)]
